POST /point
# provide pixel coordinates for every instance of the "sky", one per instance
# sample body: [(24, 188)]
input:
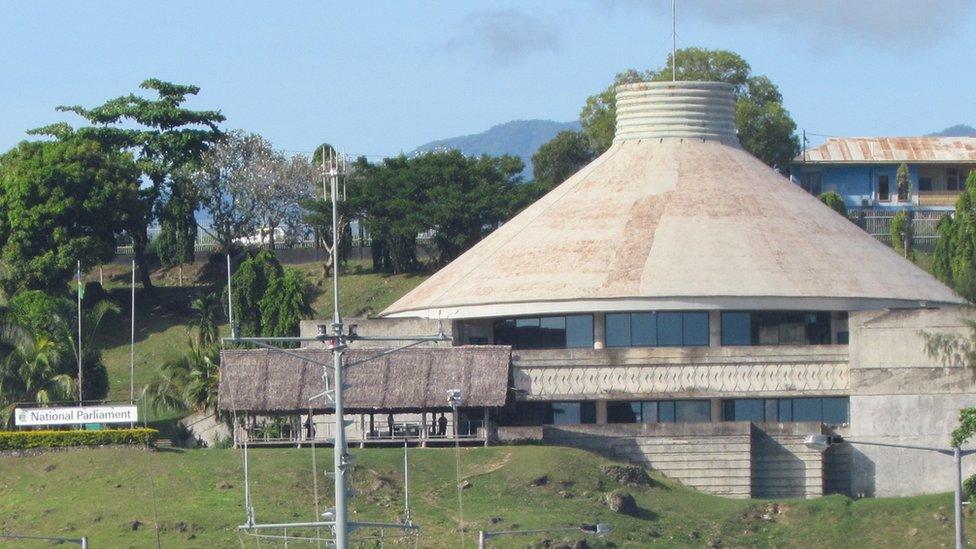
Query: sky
[(378, 78)]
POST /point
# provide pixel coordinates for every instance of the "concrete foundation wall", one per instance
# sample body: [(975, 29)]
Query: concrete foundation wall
[(733, 459)]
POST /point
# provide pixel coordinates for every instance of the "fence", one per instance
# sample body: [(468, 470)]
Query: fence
[(877, 223)]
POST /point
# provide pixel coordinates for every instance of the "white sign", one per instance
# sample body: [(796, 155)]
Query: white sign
[(75, 415)]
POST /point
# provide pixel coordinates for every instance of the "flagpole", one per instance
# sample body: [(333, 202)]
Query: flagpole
[(132, 339), (81, 376)]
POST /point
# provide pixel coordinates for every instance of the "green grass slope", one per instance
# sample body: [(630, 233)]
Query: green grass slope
[(106, 494), (162, 314)]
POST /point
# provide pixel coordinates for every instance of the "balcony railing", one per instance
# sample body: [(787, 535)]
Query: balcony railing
[(938, 198)]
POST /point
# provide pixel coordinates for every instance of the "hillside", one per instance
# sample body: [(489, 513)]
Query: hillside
[(958, 130), (162, 315), (520, 138), (106, 494)]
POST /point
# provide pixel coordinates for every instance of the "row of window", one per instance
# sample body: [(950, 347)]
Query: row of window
[(829, 410), (548, 332), (667, 329), (670, 329)]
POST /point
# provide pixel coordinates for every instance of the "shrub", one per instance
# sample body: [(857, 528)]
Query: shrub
[(900, 232), (834, 202), (22, 440)]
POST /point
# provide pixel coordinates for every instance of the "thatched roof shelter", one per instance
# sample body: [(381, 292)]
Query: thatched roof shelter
[(675, 215), (412, 380)]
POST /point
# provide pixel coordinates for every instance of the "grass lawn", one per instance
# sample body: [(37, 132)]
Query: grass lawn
[(106, 495)]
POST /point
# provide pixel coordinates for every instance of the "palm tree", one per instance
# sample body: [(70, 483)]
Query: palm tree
[(31, 372), (208, 310), (91, 321), (189, 382)]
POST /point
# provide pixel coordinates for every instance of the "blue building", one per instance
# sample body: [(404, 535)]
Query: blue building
[(863, 170)]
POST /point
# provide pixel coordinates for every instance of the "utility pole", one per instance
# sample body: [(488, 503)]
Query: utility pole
[(340, 453), (132, 338)]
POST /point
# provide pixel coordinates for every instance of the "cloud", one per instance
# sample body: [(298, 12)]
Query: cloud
[(506, 36), (891, 23)]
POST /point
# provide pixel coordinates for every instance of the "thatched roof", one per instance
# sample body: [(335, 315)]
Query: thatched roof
[(265, 381), (675, 215)]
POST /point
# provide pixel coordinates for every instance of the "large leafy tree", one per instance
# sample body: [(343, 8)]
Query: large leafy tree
[(61, 202), (249, 285), (284, 304), (166, 138), (458, 199), (764, 126), (561, 157)]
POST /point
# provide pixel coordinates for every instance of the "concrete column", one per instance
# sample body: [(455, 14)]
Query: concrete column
[(714, 328), (716, 410), (601, 412), (599, 331)]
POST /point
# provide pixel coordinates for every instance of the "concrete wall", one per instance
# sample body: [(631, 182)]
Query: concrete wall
[(901, 395), (675, 372), (733, 459), (391, 327)]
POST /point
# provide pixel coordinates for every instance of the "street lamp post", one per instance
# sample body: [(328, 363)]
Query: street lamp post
[(823, 442), (600, 529)]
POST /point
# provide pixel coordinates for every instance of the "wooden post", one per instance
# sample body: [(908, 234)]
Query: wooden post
[(484, 427)]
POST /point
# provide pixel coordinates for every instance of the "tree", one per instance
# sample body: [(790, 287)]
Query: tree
[(278, 199), (227, 180), (901, 233), (165, 137), (207, 311), (284, 304), (954, 261), (834, 202), (904, 183), (189, 382), (177, 236), (61, 202), (250, 283), (33, 372), (765, 128), (561, 157), (318, 215)]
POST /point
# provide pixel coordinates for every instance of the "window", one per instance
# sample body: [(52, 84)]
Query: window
[(924, 184), (775, 328), (884, 194), (624, 412), (829, 410), (551, 332), (952, 179), (811, 182), (664, 329), (659, 411), (692, 411), (573, 413)]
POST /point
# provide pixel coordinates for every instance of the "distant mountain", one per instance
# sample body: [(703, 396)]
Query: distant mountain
[(520, 138), (959, 130)]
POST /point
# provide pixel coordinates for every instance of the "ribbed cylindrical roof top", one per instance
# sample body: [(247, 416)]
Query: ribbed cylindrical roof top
[(690, 110)]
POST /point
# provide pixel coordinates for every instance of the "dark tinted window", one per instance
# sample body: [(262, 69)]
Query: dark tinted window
[(618, 330), (643, 329), (565, 413), (553, 332), (665, 411), (669, 327), (588, 412), (693, 411), (807, 409), (835, 410), (745, 410), (775, 328), (695, 329), (624, 412)]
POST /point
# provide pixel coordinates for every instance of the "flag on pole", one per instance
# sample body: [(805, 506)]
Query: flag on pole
[(81, 287)]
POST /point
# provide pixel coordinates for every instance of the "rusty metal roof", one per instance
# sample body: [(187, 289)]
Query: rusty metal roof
[(893, 149)]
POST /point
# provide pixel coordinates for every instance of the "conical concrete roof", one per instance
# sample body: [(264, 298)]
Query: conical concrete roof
[(675, 215)]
